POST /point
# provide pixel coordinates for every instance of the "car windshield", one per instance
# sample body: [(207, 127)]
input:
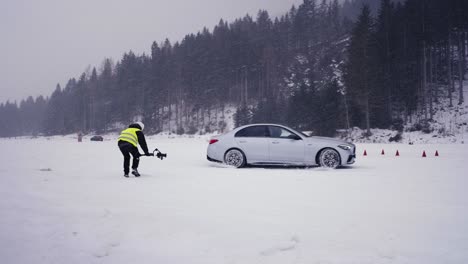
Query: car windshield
[(303, 134)]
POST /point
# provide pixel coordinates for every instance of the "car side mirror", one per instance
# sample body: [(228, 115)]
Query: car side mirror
[(294, 137)]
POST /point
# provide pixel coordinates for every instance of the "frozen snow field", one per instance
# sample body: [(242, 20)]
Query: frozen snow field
[(68, 202)]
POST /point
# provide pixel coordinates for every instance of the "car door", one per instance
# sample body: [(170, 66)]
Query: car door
[(253, 141), (285, 146)]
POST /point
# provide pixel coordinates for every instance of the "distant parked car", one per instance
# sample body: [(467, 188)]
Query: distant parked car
[(271, 144), (97, 138)]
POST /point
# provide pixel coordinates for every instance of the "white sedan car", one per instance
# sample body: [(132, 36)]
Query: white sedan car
[(270, 144)]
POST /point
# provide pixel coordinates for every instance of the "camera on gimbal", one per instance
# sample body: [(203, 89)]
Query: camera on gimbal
[(159, 154)]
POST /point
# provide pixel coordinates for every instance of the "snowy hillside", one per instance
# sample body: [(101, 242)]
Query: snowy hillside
[(450, 125), (67, 202)]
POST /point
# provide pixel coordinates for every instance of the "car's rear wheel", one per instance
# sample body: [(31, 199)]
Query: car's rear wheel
[(329, 158), (234, 157)]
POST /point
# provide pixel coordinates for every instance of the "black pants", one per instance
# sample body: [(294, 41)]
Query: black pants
[(127, 149)]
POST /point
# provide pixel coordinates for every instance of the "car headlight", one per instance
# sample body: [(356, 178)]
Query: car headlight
[(345, 147)]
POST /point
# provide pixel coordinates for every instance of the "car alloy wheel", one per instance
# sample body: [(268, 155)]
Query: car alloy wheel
[(234, 157), (329, 158)]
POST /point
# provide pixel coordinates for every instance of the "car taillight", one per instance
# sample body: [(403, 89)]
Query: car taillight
[(212, 141)]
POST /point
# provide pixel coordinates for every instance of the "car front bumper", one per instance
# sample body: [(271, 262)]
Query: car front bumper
[(351, 159)]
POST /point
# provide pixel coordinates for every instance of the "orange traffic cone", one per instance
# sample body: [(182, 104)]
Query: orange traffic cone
[(383, 152), (365, 153), (437, 153), (397, 153), (424, 154)]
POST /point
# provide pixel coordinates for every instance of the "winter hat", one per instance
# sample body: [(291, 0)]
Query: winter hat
[(141, 125)]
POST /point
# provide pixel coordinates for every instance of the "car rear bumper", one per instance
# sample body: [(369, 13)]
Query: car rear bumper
[(213, 160)]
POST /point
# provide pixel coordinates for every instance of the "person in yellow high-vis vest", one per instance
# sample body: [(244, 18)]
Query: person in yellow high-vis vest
[(129, 140)]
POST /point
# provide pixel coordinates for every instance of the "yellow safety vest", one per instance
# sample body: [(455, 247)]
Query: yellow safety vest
[(129, 135)]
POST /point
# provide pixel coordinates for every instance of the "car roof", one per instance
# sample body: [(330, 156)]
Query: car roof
[(267, 124), (261, 124)]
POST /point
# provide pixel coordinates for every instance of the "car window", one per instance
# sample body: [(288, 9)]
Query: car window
[(253, 131), (279, 132)]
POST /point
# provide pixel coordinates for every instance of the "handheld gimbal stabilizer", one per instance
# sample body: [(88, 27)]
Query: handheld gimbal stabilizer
[(159, 155)]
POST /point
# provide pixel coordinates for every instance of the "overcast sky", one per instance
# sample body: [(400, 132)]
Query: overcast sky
[(45, 42)]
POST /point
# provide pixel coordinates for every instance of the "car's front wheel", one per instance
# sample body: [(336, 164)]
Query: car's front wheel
[(329, 158), (234, 157)]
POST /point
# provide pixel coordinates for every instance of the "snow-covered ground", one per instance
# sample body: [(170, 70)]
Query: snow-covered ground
[(67, 202)]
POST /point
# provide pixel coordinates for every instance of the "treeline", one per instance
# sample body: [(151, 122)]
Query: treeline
[(398, 64), (315, 68), (180, 86), (25, 119), (404, 60)]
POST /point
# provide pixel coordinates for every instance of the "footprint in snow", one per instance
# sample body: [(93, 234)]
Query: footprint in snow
[(286, 246), (105, 252)]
